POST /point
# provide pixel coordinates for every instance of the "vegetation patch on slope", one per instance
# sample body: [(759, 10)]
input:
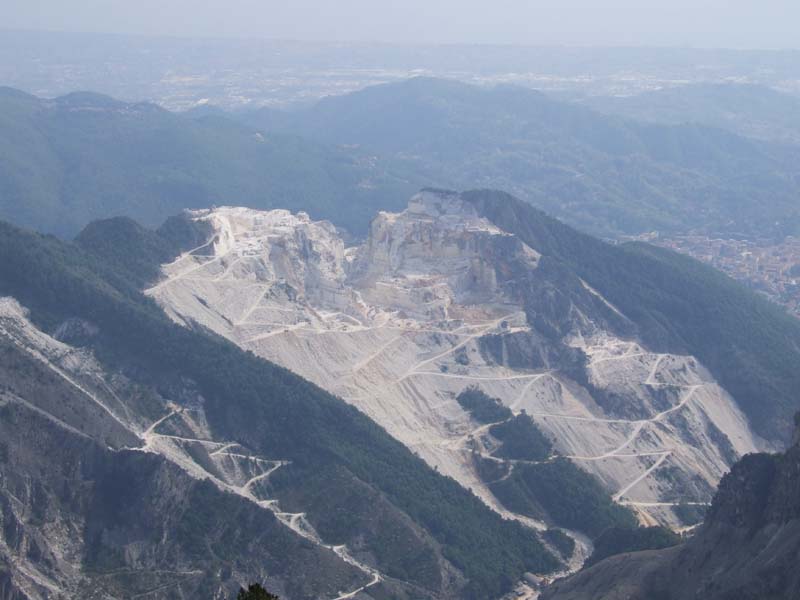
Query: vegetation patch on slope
[(521, 439), (618, 540), (482, 407), (558, 489)]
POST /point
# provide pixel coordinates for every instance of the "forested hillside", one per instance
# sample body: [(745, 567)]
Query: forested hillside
[(69, 161), (605, 174), (754, 111)]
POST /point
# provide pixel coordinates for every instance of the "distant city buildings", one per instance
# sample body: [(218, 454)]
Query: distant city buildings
[(771, 269)]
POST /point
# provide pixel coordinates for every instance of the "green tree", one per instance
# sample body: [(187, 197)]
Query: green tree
[(255, 592)]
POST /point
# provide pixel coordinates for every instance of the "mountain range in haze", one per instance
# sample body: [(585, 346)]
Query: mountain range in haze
[(182, 73), (83, 157)]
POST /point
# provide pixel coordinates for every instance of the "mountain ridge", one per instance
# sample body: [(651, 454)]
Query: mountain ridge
[(85, 156), (605, 174), (624, 274), (447, 288), (67, 161), (241, 396)]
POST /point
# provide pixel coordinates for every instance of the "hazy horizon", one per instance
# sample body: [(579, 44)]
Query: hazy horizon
[(734, 24)]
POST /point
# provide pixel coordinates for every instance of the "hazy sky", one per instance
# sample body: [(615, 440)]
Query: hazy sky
[(721, 23)]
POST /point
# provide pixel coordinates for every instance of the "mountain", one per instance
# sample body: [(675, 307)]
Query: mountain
[(604, 174), (138, 457), (81, 157), (747, 549), (565, 381), (457, 406), (71, 160), (750, 110)]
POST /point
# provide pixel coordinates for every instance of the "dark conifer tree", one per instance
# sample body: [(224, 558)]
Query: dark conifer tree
[(255, 592)]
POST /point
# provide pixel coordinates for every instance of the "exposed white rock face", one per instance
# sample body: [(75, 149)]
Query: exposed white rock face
[(279, 246), (435, 256), (395, 326)]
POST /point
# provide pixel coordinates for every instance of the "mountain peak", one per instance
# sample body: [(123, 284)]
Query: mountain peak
[(439, 297), (436, 255), (444, 209)]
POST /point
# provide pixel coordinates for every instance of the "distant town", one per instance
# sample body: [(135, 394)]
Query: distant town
[(769, 268)]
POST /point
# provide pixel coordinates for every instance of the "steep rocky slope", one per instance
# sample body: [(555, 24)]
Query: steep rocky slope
[(106, 487), (747, 549), (140, 457), (439, 299)]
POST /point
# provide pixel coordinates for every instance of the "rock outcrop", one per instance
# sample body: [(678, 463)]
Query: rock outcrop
[(748, 548), (438, 298)]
